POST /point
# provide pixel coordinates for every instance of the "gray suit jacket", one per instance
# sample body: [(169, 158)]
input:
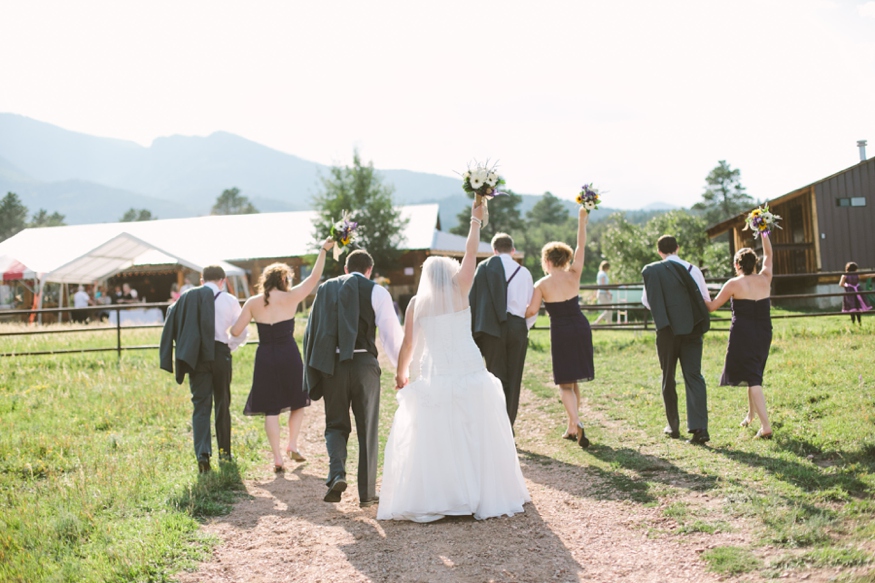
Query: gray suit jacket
[(675, 300), (333, 325), (191, 323), (488, 298)]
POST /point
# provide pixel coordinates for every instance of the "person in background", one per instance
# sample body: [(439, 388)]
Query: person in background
[(278, 375), (750, 334), (854, 304), (603, 296), (81, 300), (129, 295), (174, 292)]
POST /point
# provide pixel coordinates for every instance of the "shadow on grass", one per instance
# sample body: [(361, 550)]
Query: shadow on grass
[(835, 480), (617, 485), (213, 494)]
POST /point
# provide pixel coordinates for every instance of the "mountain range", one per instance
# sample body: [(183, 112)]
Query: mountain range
[(92, 179)]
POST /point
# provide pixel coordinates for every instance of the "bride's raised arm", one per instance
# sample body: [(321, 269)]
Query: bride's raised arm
[(469, 262)]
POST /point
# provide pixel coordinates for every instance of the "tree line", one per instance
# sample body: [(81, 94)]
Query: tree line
[(625, 239)]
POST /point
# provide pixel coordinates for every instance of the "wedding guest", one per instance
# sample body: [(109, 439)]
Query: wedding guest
[(853, 304), (174, 292), (501, 291), (199, 323), (603, 296), (675, 293), (81, 300), (451, 449), (750, 334), (277, 379), (570, 334), (129, 295)]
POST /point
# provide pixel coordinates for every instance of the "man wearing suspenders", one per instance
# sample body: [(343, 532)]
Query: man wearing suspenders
[(499, 297)]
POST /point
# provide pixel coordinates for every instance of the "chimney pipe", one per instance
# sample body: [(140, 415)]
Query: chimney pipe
[(862, 145)]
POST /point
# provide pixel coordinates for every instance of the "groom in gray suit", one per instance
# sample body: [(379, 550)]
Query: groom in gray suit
[(675, 293), (340, 363)]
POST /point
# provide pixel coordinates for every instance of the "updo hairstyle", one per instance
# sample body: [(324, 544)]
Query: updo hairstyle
[(746, 259), (274, 276), (851, 267), (557, 253)]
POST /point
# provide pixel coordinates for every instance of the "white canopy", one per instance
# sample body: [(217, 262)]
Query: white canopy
[(120, 253)]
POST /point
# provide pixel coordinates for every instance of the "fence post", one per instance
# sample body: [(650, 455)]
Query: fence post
[(118, 332)]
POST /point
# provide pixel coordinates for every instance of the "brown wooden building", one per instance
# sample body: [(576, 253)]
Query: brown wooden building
[(824, 224)]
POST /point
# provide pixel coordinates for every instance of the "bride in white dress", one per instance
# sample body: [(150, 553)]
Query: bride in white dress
[(451, 449)]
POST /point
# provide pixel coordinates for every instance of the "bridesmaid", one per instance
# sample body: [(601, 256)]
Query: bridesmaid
[(750, 334), (277, 379), (570, 334), (855, 304)]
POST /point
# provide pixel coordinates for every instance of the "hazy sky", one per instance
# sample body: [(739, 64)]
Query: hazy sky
[(641, 97)]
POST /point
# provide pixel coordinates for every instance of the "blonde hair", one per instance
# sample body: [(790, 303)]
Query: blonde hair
[(274, 276), (557, 253)]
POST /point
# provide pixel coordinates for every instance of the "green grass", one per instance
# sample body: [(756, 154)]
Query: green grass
[(98, 479)]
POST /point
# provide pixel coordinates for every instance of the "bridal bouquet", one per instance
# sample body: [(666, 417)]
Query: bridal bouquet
[(482, 181), (761, 221), (589, 198), (343, 233)]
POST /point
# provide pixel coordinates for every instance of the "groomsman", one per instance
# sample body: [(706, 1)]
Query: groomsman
[(340, 363), (198, 322), (675, 293), (499, 297)]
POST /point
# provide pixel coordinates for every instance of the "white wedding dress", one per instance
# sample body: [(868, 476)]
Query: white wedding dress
[(451, 449)]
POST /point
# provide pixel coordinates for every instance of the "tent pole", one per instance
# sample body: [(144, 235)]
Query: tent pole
[(41, 285)]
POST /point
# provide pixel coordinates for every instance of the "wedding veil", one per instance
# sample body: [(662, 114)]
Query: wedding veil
[(438, 294)]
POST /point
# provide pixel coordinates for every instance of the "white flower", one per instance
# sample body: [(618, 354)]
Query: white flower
[(491, 178), (480, 174), (769, 217), (466, 175), (589, 205), (476, 183)]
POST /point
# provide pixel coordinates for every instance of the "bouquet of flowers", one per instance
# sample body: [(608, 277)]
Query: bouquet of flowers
[(761, 221), (589, 198), (343, 233), (482, 181)]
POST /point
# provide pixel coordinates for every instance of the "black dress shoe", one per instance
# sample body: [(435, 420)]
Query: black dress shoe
[(203, 467), (369, 502), (673, 433), (700, 437), (335, 488)]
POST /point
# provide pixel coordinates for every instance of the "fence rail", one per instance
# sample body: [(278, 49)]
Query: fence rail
[(634, 307)]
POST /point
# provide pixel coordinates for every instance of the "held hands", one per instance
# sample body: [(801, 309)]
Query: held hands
[(401, 380)]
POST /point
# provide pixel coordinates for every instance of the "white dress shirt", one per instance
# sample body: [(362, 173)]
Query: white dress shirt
[(81, 299), (391, 333), (697, 277), (519, 290), (227, 311)]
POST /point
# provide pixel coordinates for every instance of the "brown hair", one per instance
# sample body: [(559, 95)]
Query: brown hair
[(851, 266), (746, 259), (557, 253), (213, 273), (502, 242), (359, 260), (667, 244), (604, 265), (274, 276)]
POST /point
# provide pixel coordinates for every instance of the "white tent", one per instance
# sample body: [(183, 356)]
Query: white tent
[(121, 252)]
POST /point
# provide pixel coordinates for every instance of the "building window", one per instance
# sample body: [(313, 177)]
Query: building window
[(852, 201)]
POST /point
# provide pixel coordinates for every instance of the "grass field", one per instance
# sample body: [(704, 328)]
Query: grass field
[(98, 480)]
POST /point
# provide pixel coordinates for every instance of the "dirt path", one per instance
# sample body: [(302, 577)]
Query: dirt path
[(285, 532)]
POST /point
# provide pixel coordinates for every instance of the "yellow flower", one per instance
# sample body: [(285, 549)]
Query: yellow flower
[(756, 212), (345, 241), (579, 198)]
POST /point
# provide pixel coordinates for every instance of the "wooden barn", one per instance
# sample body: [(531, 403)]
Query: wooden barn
[(824, 225)]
